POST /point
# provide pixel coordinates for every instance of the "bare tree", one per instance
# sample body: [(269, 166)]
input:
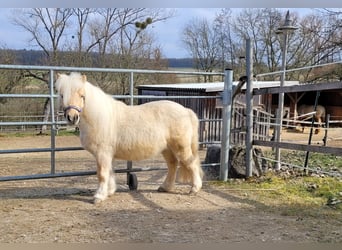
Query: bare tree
[(317, 42), (78, 39), (260, 26), (47, 28), (224, 41), (8, 80), (124, 41), (222, 27), (93, 38), (201, 40)]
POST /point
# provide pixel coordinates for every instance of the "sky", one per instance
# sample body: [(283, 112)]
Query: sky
[(167, 33)]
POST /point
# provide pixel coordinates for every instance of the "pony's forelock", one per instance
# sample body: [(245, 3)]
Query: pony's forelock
[(74, 80), (66, 84)]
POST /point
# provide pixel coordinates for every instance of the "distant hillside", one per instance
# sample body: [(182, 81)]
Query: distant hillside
[(181, 62), (35, 57), (28, 57)]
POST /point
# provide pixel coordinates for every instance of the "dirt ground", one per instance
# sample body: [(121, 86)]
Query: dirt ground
[(61, 209)]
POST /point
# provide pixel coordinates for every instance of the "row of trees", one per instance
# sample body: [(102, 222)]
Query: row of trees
[(218, 44), (90, 37), (86, 31), (123, 38), (100, 37)]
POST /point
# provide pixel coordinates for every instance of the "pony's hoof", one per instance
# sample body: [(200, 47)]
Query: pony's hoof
[(194, 191), (161, 189), (111, 193), (97, 201)]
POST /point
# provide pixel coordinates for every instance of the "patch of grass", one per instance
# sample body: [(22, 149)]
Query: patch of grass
[(68, 132), (325, 160), (315, 160), (294, 196)]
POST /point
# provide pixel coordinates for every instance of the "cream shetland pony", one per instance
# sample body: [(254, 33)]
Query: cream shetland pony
[(110, 129)]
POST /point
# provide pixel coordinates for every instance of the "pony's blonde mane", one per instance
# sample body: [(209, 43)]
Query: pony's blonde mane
[(103, 109)]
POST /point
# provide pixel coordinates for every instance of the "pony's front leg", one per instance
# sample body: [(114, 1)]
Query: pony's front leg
[(105, 177)]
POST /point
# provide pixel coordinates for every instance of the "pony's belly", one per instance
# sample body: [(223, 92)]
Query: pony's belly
[(136, 154)]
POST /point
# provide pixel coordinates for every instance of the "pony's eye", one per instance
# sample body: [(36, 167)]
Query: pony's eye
[(61, 96)]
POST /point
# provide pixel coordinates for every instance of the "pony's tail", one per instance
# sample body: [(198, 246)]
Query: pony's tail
[(185, 174)]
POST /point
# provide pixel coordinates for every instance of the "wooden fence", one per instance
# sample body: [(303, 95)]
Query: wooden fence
[(261, 124), (292, 89)]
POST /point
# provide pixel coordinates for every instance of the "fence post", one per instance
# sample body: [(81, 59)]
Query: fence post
[(129, 164), (131, 88), (53, 124), (310, 135), (327, 121), (249, 107), (226, 121)]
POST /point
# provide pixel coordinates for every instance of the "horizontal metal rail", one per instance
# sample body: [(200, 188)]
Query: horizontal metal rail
[(297, 69), (31, 123), (26, 96), (38, 150), (71, 174), (104, 70), (114, 96)]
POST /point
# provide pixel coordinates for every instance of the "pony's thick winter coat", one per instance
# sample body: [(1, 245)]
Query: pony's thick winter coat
[(110, 129)]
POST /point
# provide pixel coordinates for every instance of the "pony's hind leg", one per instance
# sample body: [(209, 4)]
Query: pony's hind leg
[(105, 177), (197, 175), (170, 179), (190, 169)]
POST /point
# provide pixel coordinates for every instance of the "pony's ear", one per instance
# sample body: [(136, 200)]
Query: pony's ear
[(84, 78), (58, 75)]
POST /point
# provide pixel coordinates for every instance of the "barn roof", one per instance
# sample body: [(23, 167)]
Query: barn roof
[(212, 86)]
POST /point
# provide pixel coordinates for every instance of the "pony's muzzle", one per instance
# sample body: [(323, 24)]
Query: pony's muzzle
[(73, 117), (72, 114)]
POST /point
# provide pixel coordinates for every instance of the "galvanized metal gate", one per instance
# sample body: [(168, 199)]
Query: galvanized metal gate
[(54, 123)]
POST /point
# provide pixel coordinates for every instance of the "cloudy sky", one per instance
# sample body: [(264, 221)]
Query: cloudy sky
[(167, 33)]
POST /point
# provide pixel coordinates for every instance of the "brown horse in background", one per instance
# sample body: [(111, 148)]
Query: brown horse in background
[(308, 111)]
